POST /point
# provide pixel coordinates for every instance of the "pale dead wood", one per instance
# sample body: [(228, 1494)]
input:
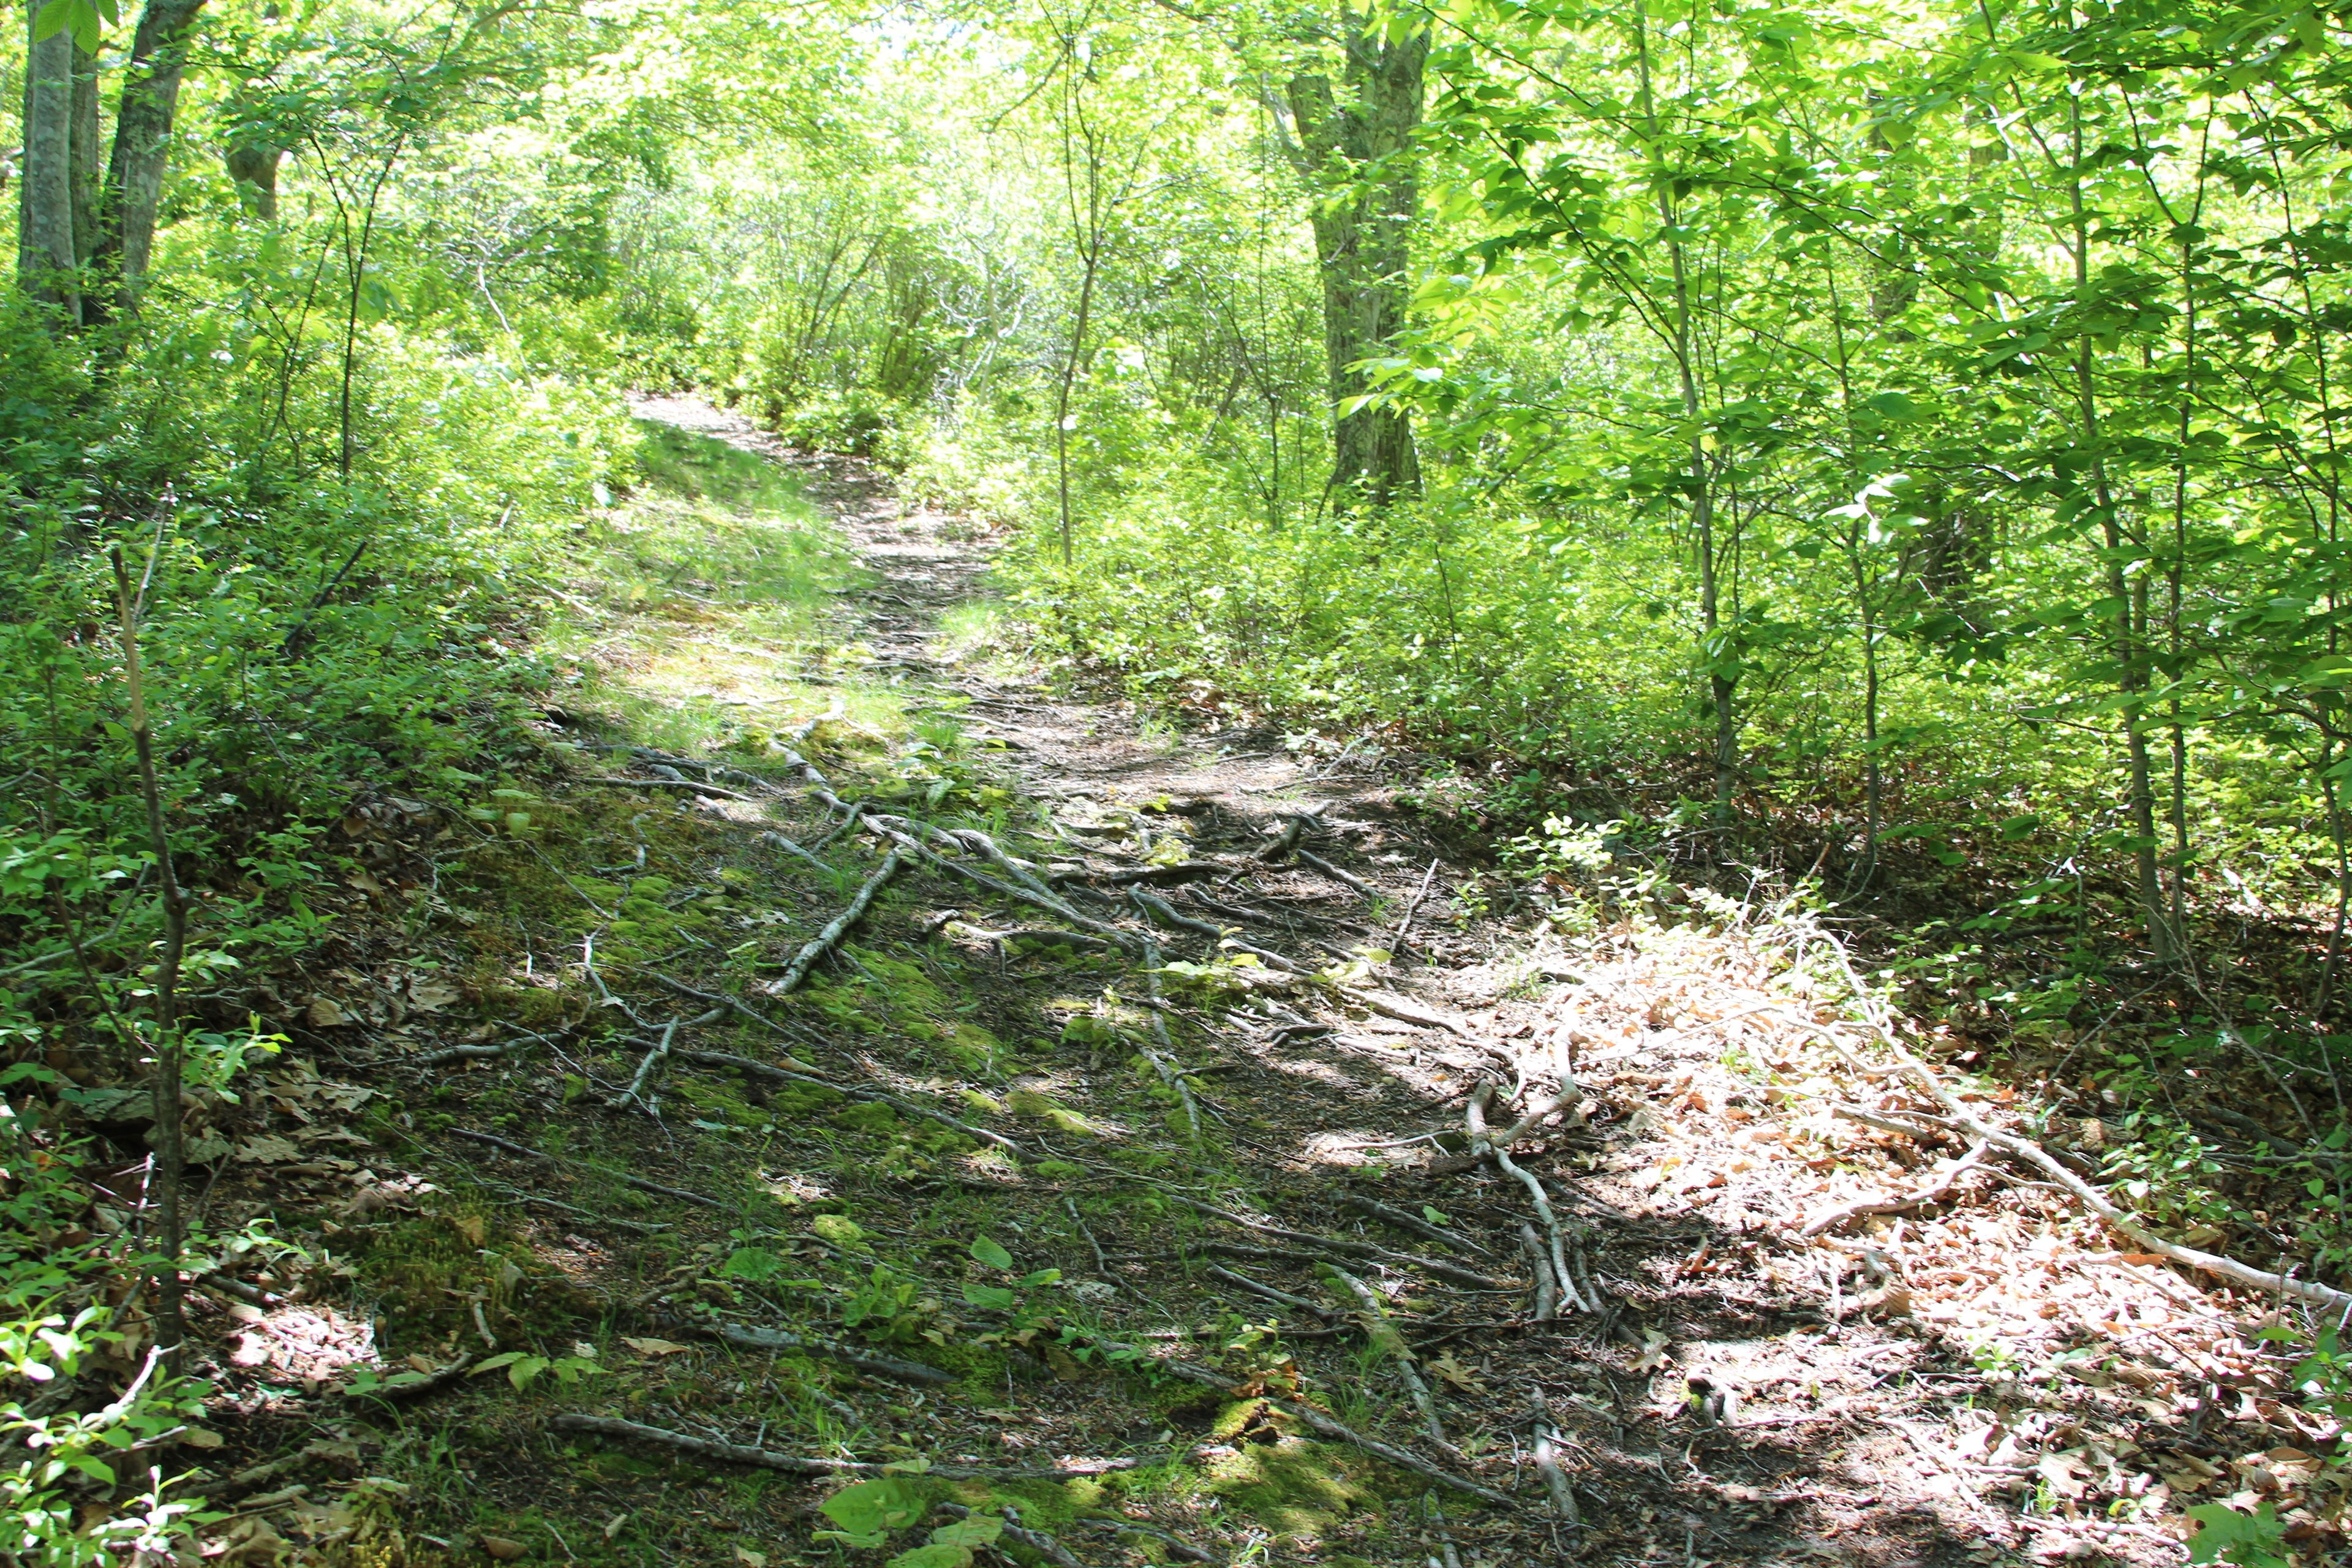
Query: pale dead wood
[(1934, 1192), (692, 787), (1372, 1313), (1563, 1499), (1259, 1287), (830, 936), (1347, 878), (800, 1465), (1411, 1223)]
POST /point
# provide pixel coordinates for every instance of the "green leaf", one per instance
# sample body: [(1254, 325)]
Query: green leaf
[(873, 1507), (990, 1253), (938, 1555), (972, 1530), (1433, 1216), (995, 1298), (752, 1263), (2225, 1535)]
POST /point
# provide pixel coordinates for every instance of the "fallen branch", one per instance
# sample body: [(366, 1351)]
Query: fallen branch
[(715, 790), (797, 1465), (1413, 1224), (758, 1339), (785, 1075), (1258, 1288), (1337, 875), (826, 940), (1563, 1500), (1314, 1420), (1475, 1114), (1935, 1191), (1385, 1340)]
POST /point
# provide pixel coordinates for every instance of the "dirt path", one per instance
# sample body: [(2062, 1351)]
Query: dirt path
[(1733, 1391), (1186, 1262)]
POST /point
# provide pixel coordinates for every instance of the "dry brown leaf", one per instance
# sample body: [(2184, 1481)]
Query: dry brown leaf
[(267, 1148), (432, 995), (325, 1013), (653, 1347)]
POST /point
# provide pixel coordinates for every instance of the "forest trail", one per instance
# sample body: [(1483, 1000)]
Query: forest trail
[(1736, 1390), (860, 1127)]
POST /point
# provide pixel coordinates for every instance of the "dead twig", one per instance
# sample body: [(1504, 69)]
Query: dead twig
[(1413, 1224), (1563, 1500), (1935, 1191), (826, 940), (1348, 877), (798, 1465), (715, 792), (1372, 1313)]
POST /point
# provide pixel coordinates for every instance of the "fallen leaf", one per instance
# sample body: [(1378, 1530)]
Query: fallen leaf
[(1653, 1351), (198, 1438), (1455, 1372), (324, 1013), (472, 1226), (267, 1148), (750, 1559), (364, 883), (432, 995), (654, 1347), (505, 1551)]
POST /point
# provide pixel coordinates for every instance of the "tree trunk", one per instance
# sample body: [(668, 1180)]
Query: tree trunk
[(45, 257), (1362, 149), (142, 136)]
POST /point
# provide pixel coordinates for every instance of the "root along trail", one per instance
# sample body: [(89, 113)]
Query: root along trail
[(961, 1088)]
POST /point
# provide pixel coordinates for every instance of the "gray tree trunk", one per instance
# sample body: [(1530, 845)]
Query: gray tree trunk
[(45, 256), (142, 146), (1359, 149)]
